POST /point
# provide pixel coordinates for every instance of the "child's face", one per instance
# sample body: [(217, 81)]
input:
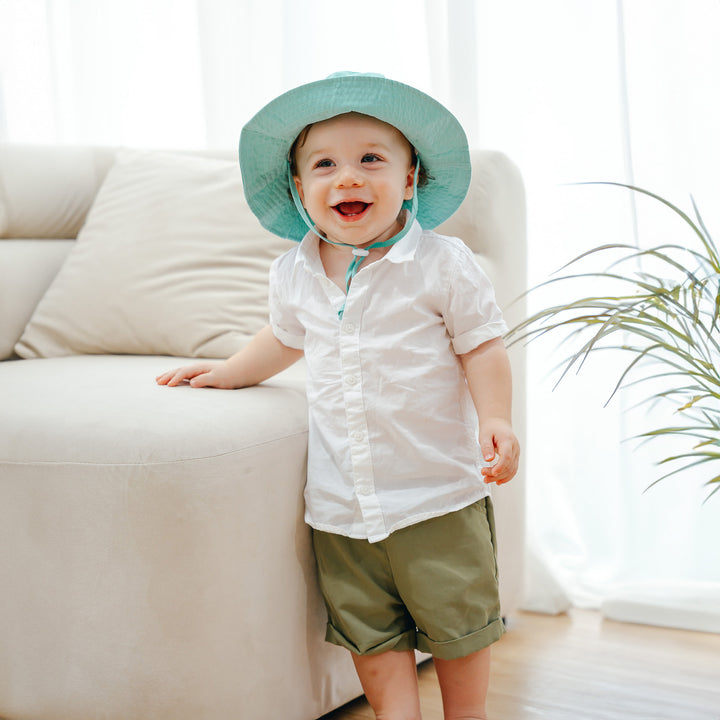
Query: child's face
[(353, 174)]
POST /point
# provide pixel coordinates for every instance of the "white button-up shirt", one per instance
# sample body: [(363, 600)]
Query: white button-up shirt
[(392, 428)]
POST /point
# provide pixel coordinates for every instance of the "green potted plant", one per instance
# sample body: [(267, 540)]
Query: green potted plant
[(660, 306)]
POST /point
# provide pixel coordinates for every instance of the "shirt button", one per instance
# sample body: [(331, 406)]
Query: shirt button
[(351, 379), (349, 328), (358, 436), (365, 491)]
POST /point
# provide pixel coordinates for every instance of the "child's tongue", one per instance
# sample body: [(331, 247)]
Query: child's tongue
[(350, 208)]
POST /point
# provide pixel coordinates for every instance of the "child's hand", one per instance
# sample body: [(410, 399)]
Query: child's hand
[(497, 438), (207, 374)]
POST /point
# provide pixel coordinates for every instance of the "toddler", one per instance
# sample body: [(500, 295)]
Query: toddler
[(405, 362)]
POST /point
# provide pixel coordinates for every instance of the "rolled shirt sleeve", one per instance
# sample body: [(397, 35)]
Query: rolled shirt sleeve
[(471, 314)]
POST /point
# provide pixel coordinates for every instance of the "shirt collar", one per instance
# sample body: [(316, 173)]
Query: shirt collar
[(402, 251)]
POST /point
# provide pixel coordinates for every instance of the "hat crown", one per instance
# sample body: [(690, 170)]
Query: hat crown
[(350, 73)]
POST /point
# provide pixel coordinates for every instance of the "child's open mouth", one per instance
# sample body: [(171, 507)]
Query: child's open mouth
[(351, 210)]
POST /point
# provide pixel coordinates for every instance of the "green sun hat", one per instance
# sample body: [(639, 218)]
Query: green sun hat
[(431, 128)]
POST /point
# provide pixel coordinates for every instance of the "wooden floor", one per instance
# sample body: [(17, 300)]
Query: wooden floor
[(581, 667)]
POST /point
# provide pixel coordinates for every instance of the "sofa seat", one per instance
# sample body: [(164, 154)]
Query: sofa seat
[(107, 409)]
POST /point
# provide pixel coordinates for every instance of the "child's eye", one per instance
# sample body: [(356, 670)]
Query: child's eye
[(324, 163), (370, 157)]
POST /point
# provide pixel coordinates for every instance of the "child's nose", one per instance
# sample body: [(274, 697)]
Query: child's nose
[(348, 176)]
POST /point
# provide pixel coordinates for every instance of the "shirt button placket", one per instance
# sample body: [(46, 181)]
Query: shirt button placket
[(363, 477)]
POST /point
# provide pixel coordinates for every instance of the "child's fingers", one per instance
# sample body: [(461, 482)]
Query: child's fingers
[(499, 474), (175, 379), (501, 477), (507, 468), (165, 377), (487, 448), (508, 452), (171, 378), (203, 379)]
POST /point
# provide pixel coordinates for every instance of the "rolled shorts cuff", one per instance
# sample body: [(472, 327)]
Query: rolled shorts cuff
[(461, 647), (404, 641)]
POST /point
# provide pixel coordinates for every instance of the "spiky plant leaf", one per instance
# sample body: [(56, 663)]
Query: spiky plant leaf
[(668, 321)]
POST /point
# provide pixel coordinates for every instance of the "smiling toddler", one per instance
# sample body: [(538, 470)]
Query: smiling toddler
[(408, 380)]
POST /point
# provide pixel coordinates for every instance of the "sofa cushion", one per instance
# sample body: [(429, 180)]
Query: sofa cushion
[(27, 267), (47, 190), (108, 411), (170, 261)]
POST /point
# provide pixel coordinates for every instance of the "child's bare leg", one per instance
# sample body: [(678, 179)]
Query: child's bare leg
[(464, 685), (389, 681)]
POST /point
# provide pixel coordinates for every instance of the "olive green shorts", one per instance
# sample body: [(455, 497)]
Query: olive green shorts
[(431, 586)]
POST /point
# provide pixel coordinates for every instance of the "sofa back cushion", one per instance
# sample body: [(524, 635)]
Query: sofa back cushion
[(170, 261), (142, 278), (46, 192), (27, 267)]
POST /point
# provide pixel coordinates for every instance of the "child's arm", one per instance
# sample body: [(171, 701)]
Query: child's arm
[(487, 369), (263, 357)]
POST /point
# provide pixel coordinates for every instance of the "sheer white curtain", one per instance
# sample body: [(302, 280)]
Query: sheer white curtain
[(572, 90), (621, 91), (183, 73)]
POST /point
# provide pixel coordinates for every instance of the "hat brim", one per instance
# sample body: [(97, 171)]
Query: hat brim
[(432, 129)]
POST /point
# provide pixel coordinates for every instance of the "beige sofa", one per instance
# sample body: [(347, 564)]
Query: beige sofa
[(154, 563)]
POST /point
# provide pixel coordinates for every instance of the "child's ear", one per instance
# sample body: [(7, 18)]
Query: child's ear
[(298, 185), (409, 184)]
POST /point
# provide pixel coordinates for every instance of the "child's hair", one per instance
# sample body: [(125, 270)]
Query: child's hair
[(423, 176)]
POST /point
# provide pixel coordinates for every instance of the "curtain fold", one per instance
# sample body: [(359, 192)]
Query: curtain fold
[(572, 91)]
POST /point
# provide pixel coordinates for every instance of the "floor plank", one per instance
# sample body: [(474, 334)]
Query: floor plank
[(581, 667)]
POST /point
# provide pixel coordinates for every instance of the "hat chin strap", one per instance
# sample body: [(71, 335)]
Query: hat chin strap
[(359, 253)]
